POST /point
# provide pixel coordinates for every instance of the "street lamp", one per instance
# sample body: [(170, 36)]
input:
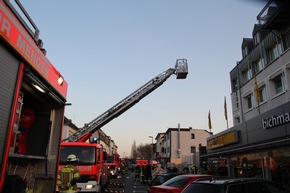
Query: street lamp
[(152, 139), (151, 145)]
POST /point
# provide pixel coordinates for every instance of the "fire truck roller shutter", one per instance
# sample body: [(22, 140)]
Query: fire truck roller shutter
[(9, 68)]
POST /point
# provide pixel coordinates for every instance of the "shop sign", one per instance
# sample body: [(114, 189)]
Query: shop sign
[(275, 121), (222, 140)]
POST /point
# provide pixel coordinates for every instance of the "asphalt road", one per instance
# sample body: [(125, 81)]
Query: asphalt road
[(126, 184)]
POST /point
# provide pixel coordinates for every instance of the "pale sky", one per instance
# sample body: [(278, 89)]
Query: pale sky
[(106, 49)]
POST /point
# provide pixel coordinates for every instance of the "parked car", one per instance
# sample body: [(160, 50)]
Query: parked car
[(177, 183), (234, 185), (159, 179)]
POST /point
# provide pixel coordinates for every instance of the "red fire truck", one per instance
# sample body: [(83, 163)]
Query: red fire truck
[(113, 164), (78, 140), (91, 162), (32, 102)]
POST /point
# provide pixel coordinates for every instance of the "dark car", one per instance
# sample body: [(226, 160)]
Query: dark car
[(177, 183), (234, 185)]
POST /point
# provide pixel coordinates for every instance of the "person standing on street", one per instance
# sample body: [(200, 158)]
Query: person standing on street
[(186, 170), (68, 175), (137, 172)]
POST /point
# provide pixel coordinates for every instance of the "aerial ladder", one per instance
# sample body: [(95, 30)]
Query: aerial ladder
[(83, 134)]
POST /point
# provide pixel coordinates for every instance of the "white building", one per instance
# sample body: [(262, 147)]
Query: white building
[(180, 146)]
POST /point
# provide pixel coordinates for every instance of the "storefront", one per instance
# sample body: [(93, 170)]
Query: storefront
[(256, 148)]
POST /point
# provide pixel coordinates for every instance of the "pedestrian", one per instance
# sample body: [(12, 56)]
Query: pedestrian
[(148, 173), (68, 175), (194, 169), (137, 172), (186, 170), (142, 174)]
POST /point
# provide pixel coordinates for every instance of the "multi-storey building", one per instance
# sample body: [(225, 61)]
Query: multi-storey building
[(258, 143), (180, 146)]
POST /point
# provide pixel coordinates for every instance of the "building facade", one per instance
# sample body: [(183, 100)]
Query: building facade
[(258, 143), (180, 146)]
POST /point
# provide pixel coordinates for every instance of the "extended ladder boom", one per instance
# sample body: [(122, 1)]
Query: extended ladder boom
[(84, 133)]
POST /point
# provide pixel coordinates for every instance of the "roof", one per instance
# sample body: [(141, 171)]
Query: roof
[(226, 180)]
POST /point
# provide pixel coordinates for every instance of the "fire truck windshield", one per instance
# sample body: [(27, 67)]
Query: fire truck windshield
[(110, 159), (85, 155)]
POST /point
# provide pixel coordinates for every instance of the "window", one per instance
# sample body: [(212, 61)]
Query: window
[(234, 85), (192, 149), (247, 74), (257, 187), (287, 40), (279, 84), (245, 51), (237, 100), (257, 38), (275, 51), (262, 92), (237, 120), (237, 188), (248, 100), (259, 65), (192, 136)]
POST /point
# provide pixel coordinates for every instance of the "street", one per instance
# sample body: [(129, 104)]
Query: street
[(126, 184)]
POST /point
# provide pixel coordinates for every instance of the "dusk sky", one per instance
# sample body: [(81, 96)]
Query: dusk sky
[(106, 49)]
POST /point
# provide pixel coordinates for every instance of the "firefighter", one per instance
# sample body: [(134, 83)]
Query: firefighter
[(68, 175), (194, 169), (148, 173), (186, 170), (142, 173), (137, 172)]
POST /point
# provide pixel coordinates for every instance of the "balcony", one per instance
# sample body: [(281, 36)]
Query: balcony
[(275, 15)]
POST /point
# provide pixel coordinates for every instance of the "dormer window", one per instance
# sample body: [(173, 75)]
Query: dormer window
[(247, 46), (257, 38), (245, 52)]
